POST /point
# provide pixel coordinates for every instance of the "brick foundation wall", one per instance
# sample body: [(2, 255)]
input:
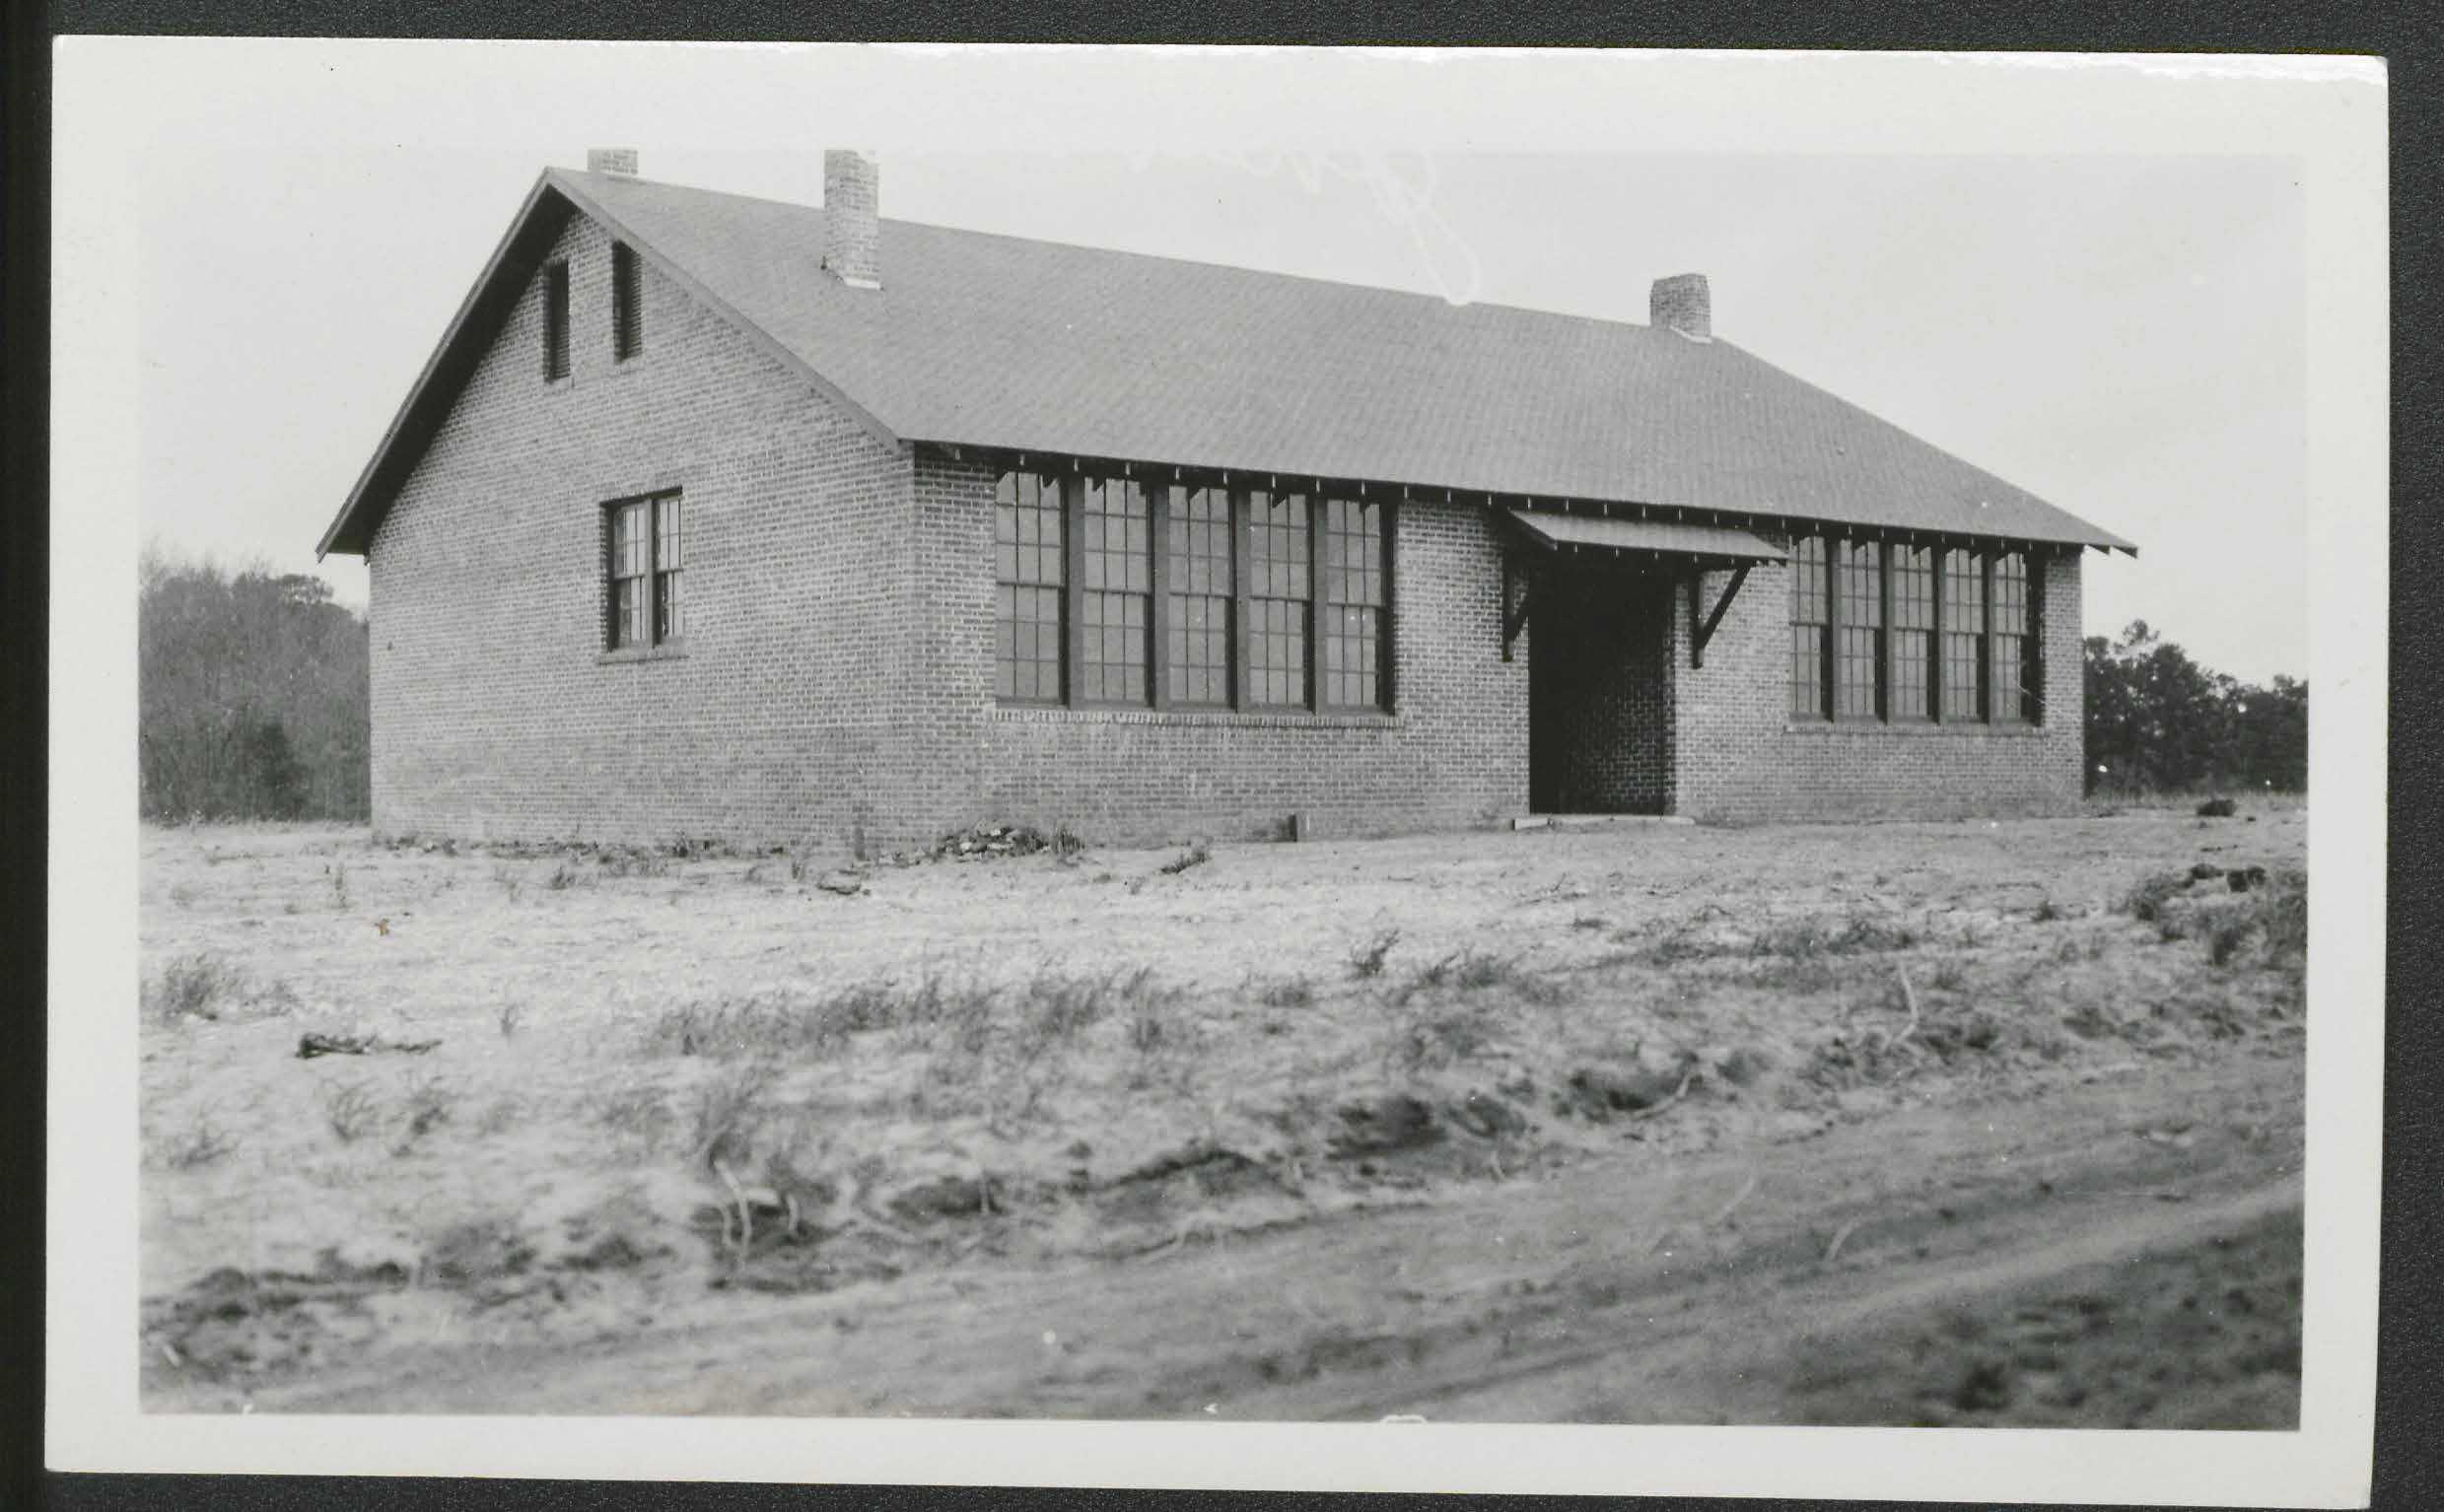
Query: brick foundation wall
[(1453, 752), (1739, 756), (496, 712)]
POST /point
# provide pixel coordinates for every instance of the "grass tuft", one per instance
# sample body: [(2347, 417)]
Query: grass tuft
[(198, 985), (1367, 956), (350, 1110)]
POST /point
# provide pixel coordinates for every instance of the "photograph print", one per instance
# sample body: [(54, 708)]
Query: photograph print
[(1457, 785)]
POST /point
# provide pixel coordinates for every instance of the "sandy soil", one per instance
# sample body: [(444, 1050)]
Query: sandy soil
[(1651, 1124)]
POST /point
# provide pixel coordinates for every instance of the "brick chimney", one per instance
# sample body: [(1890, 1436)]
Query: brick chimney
[(852, 227), (611, 159), (1680, 302)]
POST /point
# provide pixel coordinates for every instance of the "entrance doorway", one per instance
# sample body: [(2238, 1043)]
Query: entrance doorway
[(1599, 689)]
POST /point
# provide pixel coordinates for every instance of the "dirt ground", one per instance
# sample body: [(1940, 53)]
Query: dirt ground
[(1980, 1123)]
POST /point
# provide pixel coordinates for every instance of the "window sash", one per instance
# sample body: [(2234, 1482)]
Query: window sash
[(1116, 599), (1356, 596), (1281, 592), (1203, 593), (1031, 578)]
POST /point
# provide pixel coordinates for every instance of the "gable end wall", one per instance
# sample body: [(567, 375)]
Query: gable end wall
[(496, 712)]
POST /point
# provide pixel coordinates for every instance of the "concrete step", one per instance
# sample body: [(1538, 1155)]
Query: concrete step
[(1595, 821)]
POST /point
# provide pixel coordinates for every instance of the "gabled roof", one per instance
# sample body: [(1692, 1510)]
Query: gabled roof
[(991, 341)]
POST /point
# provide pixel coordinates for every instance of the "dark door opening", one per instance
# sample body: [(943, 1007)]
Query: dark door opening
[(1600, 692)]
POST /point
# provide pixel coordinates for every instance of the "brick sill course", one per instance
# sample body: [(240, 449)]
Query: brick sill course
[(668, 651), (1051, 714), (1911, 729)]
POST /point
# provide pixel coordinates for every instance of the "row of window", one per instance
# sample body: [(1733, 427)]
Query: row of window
[(646, 549), (1910, 634), (627, 310), (1115, 591)]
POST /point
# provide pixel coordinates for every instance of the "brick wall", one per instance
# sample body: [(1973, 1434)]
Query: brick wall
[(1739, 756), (1454, 751), (496, 712)]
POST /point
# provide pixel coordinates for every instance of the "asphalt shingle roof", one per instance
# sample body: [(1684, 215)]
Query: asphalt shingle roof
[(994, 341)]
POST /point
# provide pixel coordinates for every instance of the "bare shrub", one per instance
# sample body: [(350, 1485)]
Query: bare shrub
[(196, 985), (426, 1109), (1367, 956), (2146, 902), (1478, 971), (725, 1112), (511, 1016), (2047, 912), (508, 881), (339, 886), (1858, 931), (350, 1110), (640, 1117), (200, 1142), (1195, 856), (1285, 992)]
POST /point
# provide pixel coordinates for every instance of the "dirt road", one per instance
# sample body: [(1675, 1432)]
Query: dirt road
[(2029, 1258)]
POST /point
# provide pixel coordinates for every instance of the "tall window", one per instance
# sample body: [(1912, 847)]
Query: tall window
[(646, 604), (1859, 655), (627, 303), (1116, 606), (1353, 604), (1912, 632), (1919, 633), (1964, 636), (556, 321), (2014, 690), (1028, 579), (1278, 591), (1201, 588), (1810, 595)]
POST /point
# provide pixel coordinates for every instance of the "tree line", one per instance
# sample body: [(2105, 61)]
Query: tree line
[(252, 695), (2159, 722)]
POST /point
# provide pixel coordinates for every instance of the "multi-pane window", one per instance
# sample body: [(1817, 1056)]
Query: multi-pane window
[(1810, 598), (1917, 632), (1278, 593), (1353, 604), (2014, 691), (1964, 636), (627, 303), (647, 603), (1115, 606), (1027, 583), (556, 321), (1202, 590), (1912, 632), (1858, 651), (1112, 591)]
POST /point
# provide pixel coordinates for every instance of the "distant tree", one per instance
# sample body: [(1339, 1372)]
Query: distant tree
[(251, 695), (2158, 721)]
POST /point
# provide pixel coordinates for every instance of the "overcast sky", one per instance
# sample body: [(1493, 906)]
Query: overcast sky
[(2120, 335)]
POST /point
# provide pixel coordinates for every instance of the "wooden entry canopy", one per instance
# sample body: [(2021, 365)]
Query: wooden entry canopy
[(1679, 547)]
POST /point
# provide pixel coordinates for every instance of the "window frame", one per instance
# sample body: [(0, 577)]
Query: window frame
[(2027, 711), (659, 633), (1168, 596)]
